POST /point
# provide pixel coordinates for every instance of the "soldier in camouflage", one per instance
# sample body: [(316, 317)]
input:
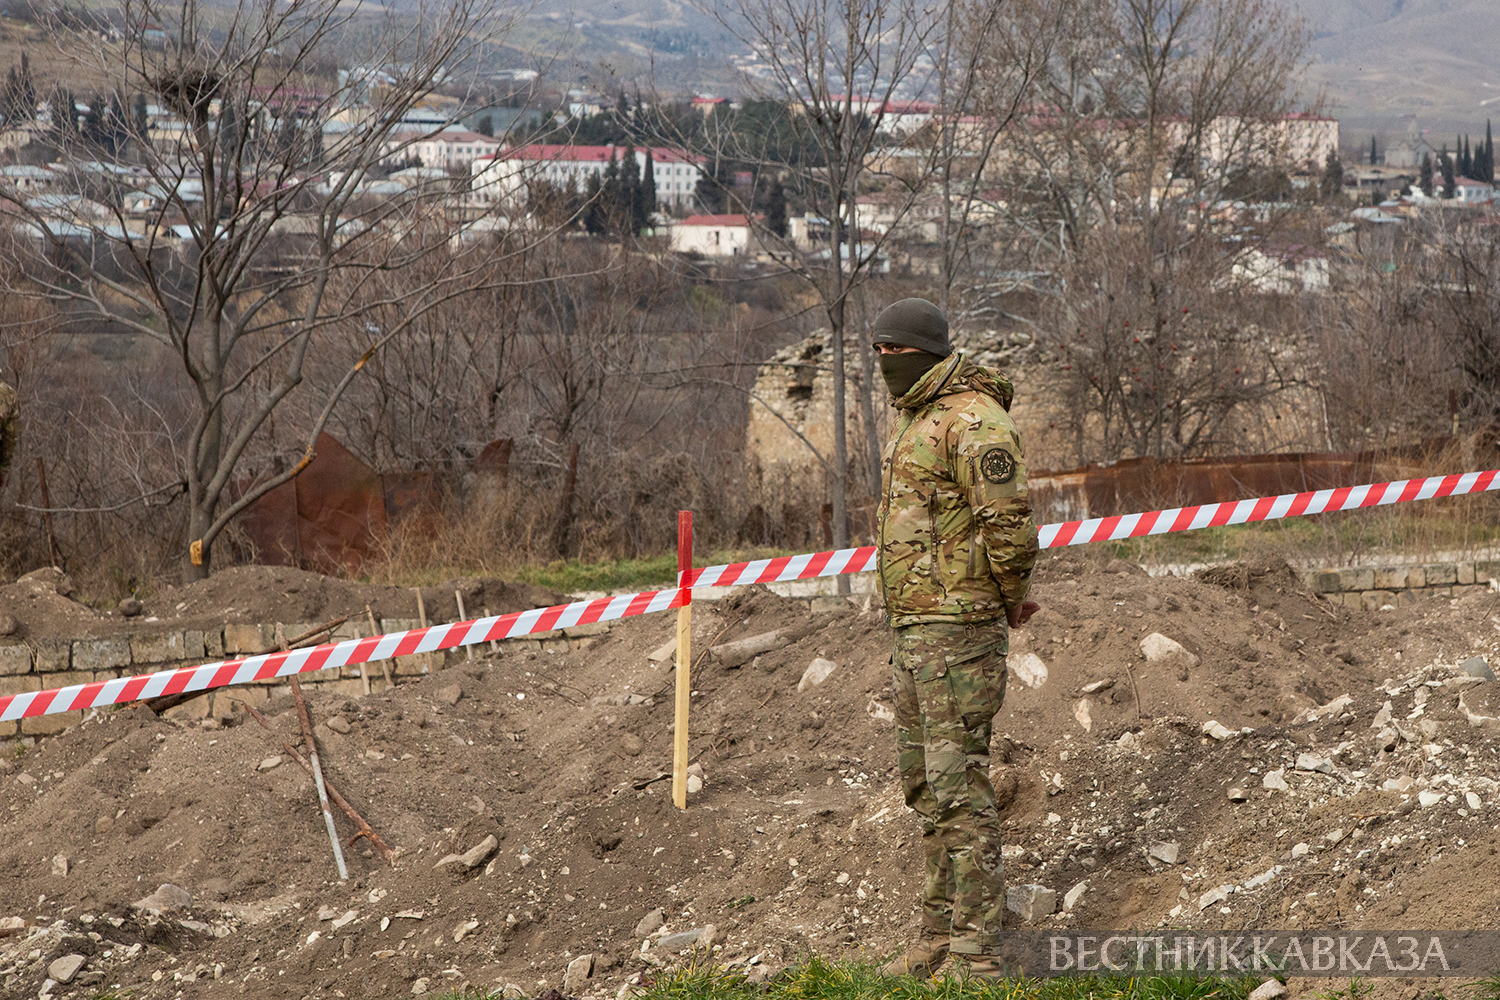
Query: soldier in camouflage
[(957, 546)]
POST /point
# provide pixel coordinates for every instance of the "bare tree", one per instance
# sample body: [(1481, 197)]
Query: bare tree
[(1152, 159), (237, 229), (837, 65)]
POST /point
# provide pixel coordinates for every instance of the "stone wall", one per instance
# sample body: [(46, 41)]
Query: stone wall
[(43, 664), (1372, 588)]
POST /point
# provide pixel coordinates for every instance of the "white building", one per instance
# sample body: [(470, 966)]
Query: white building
[(1284, 270), (1467, 191), (1299, 140), (711, 235), (449, 149), (504, 175)]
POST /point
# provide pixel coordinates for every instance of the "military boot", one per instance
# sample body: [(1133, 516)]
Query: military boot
[(992, 967), (921, 959)]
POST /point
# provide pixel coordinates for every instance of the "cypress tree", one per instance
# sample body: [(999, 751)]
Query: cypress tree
[(593, 209), (609, 194), (1372, 150), (630, 192), (1466, 160), (776, 209), (1489, 153), (1449, 188), (1331, 187), (646, 203), (1425, 179)]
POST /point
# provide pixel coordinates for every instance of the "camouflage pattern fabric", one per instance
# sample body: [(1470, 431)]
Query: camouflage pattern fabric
[(957, 540), (949, 682)]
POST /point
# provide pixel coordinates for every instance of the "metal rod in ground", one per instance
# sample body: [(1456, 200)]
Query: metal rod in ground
[(684, 658), (463, 616), (317, 768), (365, 830)]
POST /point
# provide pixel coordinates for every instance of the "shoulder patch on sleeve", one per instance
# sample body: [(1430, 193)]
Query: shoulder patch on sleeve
[(997, 466)]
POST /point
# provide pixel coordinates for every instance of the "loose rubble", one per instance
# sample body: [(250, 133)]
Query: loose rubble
[(1319, 766)]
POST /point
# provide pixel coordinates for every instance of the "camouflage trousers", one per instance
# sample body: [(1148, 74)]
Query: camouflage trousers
[(949, 682)]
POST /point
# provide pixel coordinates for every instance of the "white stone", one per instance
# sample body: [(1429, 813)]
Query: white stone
[(1074, 895), (1214, 896), (59, 867), (268, 764), (64, 969), (1028, 668), (1426, 799), (1030, 901), (694, 784), (1382, 719), (1300, 850), (1274, 780), (1473, 800), (1312, 762), (1166, 852), (1084, 715), (818, 671), (1268, 990), (420, 986), (1158, 647), (1217, 730), (650, 923), (579, 971)]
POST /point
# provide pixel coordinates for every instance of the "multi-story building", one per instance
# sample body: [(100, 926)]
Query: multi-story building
[(505, 175), (450, 149)]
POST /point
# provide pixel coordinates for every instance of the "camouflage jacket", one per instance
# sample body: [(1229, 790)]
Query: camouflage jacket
[(957, 541)]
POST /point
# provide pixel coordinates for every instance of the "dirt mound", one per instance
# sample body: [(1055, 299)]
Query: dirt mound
[(43, 605), (1376, 810)]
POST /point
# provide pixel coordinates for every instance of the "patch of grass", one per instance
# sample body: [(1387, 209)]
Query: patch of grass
[(574, 577), (820, 979)]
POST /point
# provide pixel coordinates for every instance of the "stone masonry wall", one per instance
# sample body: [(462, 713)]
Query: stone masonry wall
[(43, 664), (1372, 588)]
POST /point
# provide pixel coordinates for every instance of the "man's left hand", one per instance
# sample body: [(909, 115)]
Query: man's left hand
[(1020, 616)]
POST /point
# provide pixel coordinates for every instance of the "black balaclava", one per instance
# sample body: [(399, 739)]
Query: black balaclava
[(902, 371)]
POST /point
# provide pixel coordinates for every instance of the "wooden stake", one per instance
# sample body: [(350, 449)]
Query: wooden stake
[(385, 665), (421, 607), (684, 657), (463, 616), (317, 768), (494, 643)]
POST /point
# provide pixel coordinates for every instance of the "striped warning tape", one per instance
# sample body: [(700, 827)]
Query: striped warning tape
[(1100, 529), (339, 654), (785, 568)]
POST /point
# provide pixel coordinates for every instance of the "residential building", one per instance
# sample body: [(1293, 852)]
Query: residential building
[(1467, 191), (504, 176), (706, 106), (711, 235), (1284, 269), (448, 149)]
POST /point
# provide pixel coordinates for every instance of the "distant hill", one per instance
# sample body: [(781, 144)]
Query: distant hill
[(1381, 60)]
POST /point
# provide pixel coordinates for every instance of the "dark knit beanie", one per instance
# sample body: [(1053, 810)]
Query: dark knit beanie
[(913, 323)]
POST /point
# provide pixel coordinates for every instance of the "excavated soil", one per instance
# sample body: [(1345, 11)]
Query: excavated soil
[(42, 605), (1378, 811)]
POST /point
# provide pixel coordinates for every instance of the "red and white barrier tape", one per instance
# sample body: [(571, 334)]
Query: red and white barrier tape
[(782, 569), (331, 655), (1156, 522)]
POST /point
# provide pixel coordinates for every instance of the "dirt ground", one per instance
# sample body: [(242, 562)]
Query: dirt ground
[(1379, 811)]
